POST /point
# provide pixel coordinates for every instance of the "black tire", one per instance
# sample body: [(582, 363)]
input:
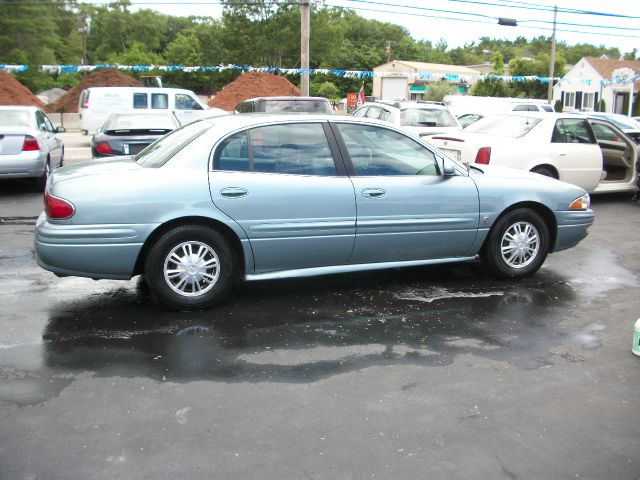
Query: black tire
[(41, 182), (546, 171), (517, 245), (192, 288)]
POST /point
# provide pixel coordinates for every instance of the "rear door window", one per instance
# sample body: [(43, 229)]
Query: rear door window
[(159, 101), (140, 100), (292, 149)]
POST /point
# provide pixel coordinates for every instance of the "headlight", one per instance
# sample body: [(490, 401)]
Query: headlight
[(581, 203)]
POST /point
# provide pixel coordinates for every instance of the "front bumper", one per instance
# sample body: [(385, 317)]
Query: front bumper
[(573, 226)]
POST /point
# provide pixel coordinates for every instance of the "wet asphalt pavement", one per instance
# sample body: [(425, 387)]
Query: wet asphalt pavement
[(441, 372)]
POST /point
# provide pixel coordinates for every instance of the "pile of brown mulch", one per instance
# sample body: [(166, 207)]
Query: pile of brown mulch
[(109, 77), (12, 92), (250, 85)]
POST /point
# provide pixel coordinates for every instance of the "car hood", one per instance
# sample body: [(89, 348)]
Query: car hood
[(496, 180)]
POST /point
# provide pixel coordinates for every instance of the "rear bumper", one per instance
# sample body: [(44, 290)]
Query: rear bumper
[(22, 165), (573, 226), (94, 251)]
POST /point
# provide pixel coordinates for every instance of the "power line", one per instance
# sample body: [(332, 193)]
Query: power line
[(487, 16)]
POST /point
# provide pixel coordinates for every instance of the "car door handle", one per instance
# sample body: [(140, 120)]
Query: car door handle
[(374, 192), (234, 192)]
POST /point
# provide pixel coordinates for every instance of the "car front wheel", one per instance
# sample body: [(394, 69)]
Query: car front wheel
[(517, 245), (190, 268)]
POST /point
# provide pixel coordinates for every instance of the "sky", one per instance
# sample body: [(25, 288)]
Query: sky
[(461, 22)]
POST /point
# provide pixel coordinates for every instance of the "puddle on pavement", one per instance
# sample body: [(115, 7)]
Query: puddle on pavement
[(308, 329)]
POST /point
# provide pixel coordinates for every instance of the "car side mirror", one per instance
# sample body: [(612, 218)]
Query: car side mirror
[(448, 167), (60, 129)]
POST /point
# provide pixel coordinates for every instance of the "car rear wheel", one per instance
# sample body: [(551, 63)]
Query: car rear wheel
[(41, 181), (517, 245), (190, 268)]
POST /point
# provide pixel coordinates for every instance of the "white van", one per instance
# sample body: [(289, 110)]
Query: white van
[(97, 103)]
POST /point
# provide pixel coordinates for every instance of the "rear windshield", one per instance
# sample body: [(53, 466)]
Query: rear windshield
[(16, 118), (140, 122), (424, 117), (514, 126), (300, 106), (160, 152)]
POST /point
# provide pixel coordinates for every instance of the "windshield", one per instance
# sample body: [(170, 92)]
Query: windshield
[(308, 106), (514, 126), (160, 152), (139, 121), (425, 117), (15, 118)]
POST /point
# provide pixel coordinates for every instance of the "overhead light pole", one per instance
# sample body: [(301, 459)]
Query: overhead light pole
[(305, 29), (552, 60)]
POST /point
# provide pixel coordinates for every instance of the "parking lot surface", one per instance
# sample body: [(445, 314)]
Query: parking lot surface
[(402, 374)]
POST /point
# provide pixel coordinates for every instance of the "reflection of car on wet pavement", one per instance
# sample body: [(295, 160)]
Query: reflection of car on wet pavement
[(263, 197), (29, 144)]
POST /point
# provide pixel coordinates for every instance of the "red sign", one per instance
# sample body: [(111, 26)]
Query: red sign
[(352, 99)]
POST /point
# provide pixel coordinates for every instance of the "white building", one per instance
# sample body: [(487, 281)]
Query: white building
[(410, 80), (594, 79)]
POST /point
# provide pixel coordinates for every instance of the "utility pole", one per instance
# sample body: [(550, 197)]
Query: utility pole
[(305, 32), (552, 61), (84, 30), (388, 51)]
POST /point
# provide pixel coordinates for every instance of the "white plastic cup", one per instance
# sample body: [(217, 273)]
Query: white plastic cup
[(635, 349)]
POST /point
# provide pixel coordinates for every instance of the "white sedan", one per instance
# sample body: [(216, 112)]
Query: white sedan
[(420, 118), (29, 144), (589, 152)]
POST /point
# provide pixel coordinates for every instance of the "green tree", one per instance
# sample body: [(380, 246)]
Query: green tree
[(136, 55), (490, 87), (436, 91), (184, 50), (328, 90)]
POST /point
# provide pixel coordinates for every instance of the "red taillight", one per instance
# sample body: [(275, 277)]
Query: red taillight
[(85, 104), (30, 144), (57, 208), (483, 156), (103, 147)]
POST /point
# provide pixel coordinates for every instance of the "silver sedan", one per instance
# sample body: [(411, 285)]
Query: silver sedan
[(29, 144), (259, 197)]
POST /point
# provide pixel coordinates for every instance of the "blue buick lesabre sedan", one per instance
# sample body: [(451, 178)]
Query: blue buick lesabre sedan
[(259, 197)]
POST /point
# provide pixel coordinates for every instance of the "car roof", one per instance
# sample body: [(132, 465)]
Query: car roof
[(405, 105), (290, 97), (25, 108), (232, 121)]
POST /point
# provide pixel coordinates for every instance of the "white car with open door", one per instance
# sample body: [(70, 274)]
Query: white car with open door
[(589, 152)]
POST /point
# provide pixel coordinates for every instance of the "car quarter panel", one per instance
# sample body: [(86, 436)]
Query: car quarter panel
[(116, 211)]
